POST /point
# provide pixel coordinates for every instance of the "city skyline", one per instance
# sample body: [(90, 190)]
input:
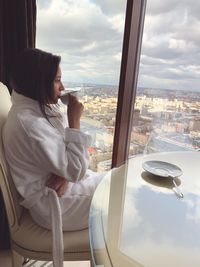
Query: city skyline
[(160, 124), (85, 84)]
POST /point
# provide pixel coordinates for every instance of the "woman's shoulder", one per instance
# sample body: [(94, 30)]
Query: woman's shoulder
[(33, 122), (27, 120)]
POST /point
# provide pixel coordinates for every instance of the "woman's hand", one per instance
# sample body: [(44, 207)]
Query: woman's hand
[(57, 183), (74, 112)]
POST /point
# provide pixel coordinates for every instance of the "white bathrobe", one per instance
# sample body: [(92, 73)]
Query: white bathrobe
[(35, 150)]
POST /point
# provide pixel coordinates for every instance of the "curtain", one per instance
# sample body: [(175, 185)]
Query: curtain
[(4, 230), (17, 32)]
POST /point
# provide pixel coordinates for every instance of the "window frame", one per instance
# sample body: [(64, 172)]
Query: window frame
[(134, 24)]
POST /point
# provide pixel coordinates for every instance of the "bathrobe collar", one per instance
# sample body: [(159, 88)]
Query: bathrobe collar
[(27, 102), (19, 99)]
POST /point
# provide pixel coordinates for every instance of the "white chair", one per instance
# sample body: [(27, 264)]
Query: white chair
[(29, 240)]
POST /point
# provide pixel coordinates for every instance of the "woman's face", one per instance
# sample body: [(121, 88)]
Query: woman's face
[(57, 87)]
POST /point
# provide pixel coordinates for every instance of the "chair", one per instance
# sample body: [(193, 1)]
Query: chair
[(29, 240)]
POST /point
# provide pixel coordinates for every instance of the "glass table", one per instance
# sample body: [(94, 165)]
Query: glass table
[(137, 219)]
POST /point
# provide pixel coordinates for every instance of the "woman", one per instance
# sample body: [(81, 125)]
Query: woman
[(46, 153)]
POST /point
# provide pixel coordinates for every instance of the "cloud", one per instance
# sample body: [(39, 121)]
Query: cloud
[(87, 39), (161, 7), (170, 49), (110, 6), (88, 34), (43, 4)]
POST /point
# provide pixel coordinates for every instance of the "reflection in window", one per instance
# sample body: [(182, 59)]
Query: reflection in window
[(167, 107), (88, 35)]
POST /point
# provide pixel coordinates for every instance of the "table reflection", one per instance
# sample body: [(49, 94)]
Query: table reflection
[(136, 218)]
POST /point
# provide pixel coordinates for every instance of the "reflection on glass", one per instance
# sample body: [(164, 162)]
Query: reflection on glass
[(137, 220), (164, 230)]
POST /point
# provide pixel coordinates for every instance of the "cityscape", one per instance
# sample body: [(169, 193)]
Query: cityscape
[(91, 51), (163, 120)]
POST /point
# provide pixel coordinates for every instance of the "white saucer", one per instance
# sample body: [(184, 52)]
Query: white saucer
[(161, 168)]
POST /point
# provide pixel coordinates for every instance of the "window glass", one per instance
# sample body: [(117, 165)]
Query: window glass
[(167, 107), (88, 35)]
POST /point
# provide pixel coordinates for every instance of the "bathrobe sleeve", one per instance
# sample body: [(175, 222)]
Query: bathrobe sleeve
[(66, 156)]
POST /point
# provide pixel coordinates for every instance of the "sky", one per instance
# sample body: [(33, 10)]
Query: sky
[(88, 34)]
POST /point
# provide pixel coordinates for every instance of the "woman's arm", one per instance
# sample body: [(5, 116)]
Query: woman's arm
[(74, 112), (62, 153), (66, 156), (57, 183)]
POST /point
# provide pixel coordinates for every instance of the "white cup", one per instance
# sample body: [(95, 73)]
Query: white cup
[(65, 96)]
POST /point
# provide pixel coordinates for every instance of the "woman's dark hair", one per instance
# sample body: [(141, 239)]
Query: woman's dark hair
[(33, 74)]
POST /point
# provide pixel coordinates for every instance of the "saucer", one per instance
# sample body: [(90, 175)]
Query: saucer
[(161, 168)]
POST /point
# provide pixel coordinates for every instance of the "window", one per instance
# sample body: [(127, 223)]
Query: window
[(167, 107), (157, 110), (88, 35)]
